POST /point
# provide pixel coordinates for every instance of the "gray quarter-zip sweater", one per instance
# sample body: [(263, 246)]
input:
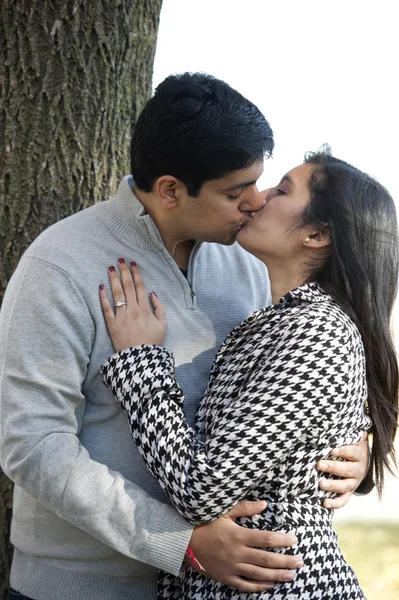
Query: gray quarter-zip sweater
[(89, 521)]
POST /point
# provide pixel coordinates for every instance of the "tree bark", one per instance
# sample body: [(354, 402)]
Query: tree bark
[(74, 76)]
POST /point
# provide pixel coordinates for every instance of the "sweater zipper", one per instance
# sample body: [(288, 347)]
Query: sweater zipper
[(187, 282), (155, 237), (191, 273)]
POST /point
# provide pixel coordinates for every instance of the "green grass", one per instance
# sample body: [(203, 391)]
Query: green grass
[(372, 550)]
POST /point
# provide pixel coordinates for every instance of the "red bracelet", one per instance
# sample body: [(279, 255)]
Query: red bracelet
[(195, 562)]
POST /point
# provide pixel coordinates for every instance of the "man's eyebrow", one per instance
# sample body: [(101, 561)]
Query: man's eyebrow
[(242, 184)]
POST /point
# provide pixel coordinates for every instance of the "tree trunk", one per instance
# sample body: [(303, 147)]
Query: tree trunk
[(74, 75)]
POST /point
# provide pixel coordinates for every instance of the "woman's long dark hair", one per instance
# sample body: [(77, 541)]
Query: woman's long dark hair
[(361, 274)]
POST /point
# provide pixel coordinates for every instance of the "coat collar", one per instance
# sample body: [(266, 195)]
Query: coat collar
[(309, 292)]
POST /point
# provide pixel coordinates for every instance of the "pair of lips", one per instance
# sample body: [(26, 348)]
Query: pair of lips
[(244, 224)]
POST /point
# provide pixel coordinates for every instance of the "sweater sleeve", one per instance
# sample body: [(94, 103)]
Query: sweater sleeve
[(294, 393), (47, 335)]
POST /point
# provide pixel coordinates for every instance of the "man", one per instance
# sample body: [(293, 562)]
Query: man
[(89, 521)]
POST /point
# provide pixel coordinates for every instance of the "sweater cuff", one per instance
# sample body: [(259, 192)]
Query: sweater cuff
[(167, 541)]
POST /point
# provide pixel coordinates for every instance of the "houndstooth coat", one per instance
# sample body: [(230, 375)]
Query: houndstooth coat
[(286, 387)]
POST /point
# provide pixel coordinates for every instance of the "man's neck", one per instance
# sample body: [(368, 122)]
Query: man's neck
[(182, 252), (179, 249)]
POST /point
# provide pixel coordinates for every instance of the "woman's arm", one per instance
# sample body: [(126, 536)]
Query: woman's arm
[(294, 393), (230, 553)]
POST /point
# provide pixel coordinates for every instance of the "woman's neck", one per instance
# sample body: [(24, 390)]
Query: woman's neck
[(283, 279)]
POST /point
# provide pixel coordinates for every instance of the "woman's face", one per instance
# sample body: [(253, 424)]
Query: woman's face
[(274, 231)]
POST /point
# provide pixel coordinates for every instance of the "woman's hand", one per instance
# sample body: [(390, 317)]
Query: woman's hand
[(133, 323)]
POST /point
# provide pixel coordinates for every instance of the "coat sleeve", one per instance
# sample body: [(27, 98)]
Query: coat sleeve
[(296, 389)]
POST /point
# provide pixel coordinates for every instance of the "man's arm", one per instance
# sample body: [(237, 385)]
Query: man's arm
[(46, 340), (354, 472), (234, 555)]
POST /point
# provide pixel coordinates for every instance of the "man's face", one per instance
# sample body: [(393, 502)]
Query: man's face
[(223, 206)]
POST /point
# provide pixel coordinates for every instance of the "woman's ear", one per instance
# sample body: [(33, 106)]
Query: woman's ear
[(165, 189), (318, 239)]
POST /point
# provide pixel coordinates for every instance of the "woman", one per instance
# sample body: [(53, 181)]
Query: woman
[(288, 384)]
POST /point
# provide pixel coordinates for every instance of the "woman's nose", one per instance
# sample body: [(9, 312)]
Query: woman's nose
[(253, 202)]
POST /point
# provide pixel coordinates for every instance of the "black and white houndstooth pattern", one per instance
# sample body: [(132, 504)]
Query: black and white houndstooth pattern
[(286, 386)]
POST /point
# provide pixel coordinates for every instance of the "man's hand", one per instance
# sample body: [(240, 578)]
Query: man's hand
[(352, 471), (229, 553)]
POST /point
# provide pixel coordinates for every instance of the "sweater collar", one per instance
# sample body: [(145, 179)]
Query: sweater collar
[(127, 218)]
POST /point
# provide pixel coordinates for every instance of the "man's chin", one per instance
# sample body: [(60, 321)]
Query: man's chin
[(226, 241), (229, 241)]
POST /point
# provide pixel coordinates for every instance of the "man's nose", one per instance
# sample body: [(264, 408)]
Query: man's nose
[(253, 201)]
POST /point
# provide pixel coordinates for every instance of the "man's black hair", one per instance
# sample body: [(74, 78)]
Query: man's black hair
[(197, 128)]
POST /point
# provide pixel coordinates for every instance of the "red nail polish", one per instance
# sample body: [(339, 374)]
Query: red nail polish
[(102, 286), (133, 264), (112, 269), (121, 260)]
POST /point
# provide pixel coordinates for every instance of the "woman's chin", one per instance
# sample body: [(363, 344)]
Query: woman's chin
[(248, 243), (240, 238), (243, 240)]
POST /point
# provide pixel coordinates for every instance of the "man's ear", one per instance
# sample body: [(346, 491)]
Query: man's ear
[(318, 239), (168, 189)]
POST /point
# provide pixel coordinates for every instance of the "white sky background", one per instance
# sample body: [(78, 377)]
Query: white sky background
[(320, 71)]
